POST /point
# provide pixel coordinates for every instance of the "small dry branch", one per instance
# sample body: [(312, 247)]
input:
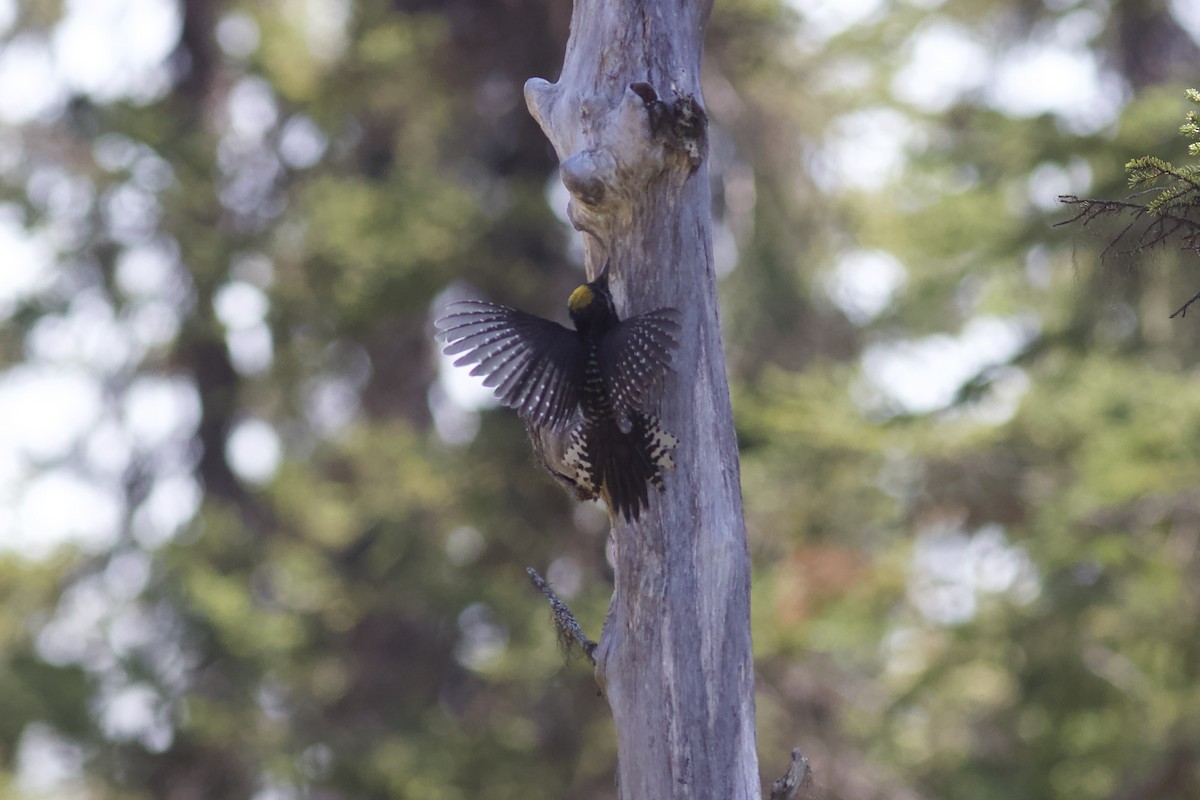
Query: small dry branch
[(798, 776), (1181, 312), (569, 631), (1161, 228)]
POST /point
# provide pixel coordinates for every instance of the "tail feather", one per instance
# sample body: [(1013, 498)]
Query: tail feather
[(626, 465)]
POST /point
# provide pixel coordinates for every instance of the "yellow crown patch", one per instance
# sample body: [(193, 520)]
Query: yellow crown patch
[(581, 298)]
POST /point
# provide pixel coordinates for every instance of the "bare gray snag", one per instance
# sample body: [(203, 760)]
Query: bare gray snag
[(674, 658)]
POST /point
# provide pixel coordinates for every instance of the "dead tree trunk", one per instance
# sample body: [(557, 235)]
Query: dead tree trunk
[(674, 658)]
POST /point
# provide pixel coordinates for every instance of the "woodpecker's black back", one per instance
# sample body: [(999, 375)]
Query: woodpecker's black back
[(584, 393)]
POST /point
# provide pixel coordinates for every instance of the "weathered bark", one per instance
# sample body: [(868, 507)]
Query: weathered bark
[(674, 658)]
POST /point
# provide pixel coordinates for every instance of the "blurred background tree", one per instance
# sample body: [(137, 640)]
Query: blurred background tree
[(260, 542)]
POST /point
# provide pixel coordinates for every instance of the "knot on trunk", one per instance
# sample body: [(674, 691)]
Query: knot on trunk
[(611, 149)]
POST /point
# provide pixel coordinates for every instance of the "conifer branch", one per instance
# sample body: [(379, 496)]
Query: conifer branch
[(1173, 211)]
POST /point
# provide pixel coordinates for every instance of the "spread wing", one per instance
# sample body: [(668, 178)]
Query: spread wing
[(635, 356), (534, 365)]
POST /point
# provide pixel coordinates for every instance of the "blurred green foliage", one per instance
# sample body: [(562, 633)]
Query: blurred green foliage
[(989, 591)]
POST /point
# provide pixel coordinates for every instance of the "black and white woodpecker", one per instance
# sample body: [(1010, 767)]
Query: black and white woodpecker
[(586, 395)]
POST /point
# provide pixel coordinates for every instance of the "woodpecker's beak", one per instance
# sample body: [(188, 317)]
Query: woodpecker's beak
[(602, 279)]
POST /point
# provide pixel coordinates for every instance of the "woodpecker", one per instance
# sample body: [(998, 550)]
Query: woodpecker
[(586, 395)]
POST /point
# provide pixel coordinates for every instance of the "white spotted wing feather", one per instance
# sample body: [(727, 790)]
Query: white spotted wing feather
[(533, 365), (635, 357)]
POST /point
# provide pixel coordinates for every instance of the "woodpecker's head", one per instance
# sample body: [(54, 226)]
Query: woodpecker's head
[(591, 306)]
